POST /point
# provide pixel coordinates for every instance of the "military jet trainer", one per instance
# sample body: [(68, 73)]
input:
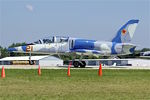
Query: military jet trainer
[(119, 45)]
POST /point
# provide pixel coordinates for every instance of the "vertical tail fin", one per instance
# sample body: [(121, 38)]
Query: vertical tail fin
[(126, 32)]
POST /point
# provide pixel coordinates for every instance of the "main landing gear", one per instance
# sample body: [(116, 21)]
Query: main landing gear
[(76, 64)]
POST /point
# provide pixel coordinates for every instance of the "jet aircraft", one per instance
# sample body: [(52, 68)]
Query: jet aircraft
[(119, 45), (145, 54)]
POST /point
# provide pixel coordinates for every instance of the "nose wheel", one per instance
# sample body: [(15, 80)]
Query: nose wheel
[(82, 64), (31, 62)]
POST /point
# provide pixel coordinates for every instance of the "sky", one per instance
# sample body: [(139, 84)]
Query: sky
[(30, 20)]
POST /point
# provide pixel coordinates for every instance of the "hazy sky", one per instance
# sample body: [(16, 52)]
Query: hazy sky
[(29, 20)]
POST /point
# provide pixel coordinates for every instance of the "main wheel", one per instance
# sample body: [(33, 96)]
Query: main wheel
[(76, 64), (82, 64)]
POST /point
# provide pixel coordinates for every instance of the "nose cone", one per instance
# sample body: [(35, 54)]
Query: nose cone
[(18, 49), (12, 49)]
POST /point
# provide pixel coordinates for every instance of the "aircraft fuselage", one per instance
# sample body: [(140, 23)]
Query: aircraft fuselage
[(81, 46)]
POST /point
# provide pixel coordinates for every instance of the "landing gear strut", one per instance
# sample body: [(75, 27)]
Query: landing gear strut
[(77, 63), (31, 62), (82, 64)]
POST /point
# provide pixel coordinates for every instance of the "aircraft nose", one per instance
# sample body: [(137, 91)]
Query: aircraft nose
[(12, 49), (18, 49)]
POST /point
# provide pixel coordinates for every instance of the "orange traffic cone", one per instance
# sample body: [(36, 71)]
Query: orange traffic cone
[(3, 72), (39, 70), (100, 70), (68, 73)]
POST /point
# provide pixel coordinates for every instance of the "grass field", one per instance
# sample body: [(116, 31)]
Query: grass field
[(84, 84)]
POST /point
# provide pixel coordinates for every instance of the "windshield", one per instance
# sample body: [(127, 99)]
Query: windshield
[(46, 41), (59, 39)]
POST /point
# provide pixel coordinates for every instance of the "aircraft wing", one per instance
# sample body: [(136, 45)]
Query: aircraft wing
[(88, 52), (44, 53)]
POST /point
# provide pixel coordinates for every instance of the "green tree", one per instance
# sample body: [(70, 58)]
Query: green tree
[(0, 51), (145, 49), (4, 52), (17, 44)]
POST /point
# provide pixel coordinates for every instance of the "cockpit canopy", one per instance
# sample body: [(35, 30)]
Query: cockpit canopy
[(53, 39)]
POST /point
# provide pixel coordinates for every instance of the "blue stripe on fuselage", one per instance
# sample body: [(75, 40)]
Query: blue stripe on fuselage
[(12, 49), (84, 44), (24, 48), (95, 52), (80, 50), (113, 51), (132, 49)]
